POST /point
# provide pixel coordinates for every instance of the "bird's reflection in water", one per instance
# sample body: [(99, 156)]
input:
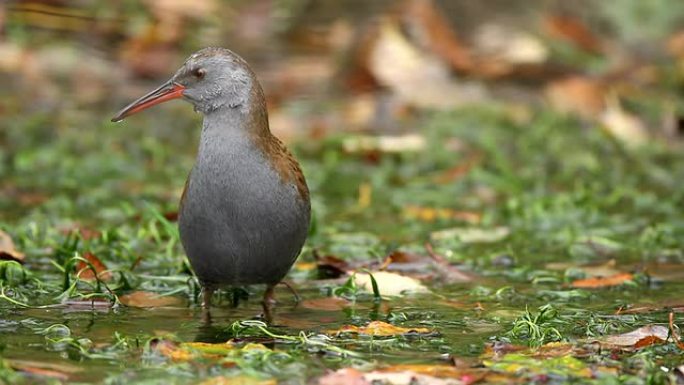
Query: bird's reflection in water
[(214, 328)]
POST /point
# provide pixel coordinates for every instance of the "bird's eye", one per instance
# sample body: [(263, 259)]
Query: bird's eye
[(199, 73)]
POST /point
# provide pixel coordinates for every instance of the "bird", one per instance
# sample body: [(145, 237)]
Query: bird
[(245, 211)]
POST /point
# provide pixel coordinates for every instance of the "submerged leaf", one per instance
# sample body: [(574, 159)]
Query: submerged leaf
[(148, 299), (379, 328)]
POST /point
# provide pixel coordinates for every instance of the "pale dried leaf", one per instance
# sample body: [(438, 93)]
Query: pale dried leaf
[(385, 143), (624, 126), (630, 339), (473, 234), (390, 284), (502, 43), (7, 249), (418, 77)]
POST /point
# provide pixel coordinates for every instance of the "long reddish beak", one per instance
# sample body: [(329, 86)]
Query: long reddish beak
[(165, 92)]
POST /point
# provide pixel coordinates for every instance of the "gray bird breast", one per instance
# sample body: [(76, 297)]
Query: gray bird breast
[(239, 222)]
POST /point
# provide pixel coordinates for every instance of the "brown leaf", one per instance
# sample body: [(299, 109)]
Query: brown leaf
[(437, 35), (572, 30), (85, 271), (580, 95), (599, 282), (648, 341), (452, 273), (84, 232), (330, 266), (379, 328), (7, 250), (61, 372), (144, 299), (675, 44)]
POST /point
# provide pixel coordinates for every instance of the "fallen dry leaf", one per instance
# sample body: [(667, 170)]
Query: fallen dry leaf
[(579, 95), (472, 234), (624, 126), (639, 338), (60, 371), (144, 299), (599, 282), (7, 250), (238, 380), (432, 31), (85, 271), (432, 214), (344, 376), (379, 328), (417, 76), (390, 284), (330, 266), (408, 378), (404, 375), (507, 46), (573, 30), (449, 272), (385, 143)]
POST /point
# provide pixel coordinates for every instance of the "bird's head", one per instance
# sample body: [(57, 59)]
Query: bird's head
[(210, 79)]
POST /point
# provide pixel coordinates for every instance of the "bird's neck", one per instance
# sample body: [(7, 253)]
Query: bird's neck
[(230, 129)]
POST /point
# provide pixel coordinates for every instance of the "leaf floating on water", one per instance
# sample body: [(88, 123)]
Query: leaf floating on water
[(379, 328), (60, 372), (404, 375), (7, 250), (86, 272), (390, 284), (599, 282), (517, 363), (145, 299), (344, 376), (189, 351)]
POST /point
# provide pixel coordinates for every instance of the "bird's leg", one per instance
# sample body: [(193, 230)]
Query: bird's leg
[(292, 290), (268, 303), (207, 293), (269, 295)]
